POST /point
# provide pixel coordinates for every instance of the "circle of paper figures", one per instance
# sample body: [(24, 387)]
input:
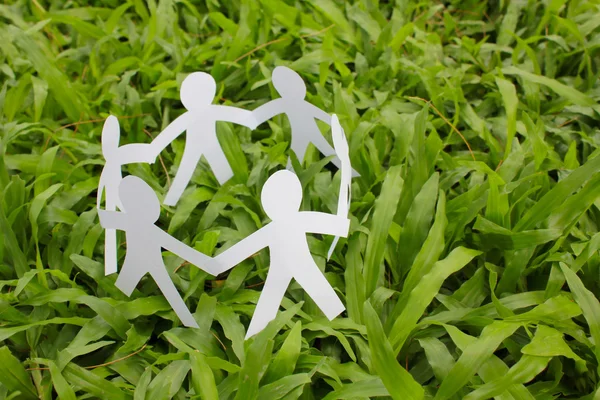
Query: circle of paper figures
[(281, 196)]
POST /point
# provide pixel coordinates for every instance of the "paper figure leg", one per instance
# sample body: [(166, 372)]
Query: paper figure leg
[(186, 169), (325, 148), (129, 278), (168, 289), (278, 279), (219, 164), (315, 284), (110, 251), (299, 147)]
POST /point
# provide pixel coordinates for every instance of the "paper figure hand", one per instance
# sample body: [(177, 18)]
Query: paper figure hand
[(205, 263), (188, 253), (249, 120), (251, 124), (213, 267), (240, 251), (112, 219)]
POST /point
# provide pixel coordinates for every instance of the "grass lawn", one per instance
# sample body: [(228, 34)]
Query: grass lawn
[(471, 270)]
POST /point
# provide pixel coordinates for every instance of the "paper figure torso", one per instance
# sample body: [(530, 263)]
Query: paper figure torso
[(304, 127), (144, 251)]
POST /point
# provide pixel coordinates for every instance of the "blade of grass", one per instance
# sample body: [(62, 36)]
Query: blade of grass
[(400, 384)]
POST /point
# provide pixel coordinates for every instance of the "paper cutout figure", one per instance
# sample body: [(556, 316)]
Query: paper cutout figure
[(141, 210), (300, 113), (281, 196), (342, 151), (110, 178), (199, 122), (285, 236)]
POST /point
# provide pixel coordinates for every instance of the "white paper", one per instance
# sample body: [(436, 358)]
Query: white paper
[(301, 114), (342, 150), (110, 178), (281, 196), (145, 240), (285, 236), (199, 122)]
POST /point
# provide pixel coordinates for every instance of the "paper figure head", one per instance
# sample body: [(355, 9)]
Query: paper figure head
[(110, 136), (198, 90), (281, 194), (139, 200), (288, 83)]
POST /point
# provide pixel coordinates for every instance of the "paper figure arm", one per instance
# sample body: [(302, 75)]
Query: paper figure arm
[(137, 153), (268, 111), (112, 219), (323, 223), (186, 252), (341, 148), (171, 132), (242, 250), (342, 151), (319, 114), (101, 186), (233, 114)]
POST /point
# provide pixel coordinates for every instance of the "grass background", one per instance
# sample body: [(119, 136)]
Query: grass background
[(472, 267)]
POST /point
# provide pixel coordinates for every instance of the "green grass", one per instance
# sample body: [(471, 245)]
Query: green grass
[(472, 268)]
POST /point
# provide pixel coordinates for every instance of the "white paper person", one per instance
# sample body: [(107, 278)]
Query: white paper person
[(110, 179), (285, 236), (140, 211), (199, 122), (281, 197), (301, 114)]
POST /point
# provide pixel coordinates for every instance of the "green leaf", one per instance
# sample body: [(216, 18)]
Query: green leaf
[(385, 208), (366, 388), (142, 387), (527, 368), (11, 244), (548, 342), (588, 302), (233, 328), (203, 378), (400, 384), (474, 356), (502, 238), (255, 365), (555, 197), (167, 382), (89, 382), (14, 376), (278, 389), (40, 93), (493, 368), (426, 258), (417, 222), (284, 362), (425, 291), (64, 391), (438, 356), (355, 283), (510, 100), (58, 83), (573, 207), (575, 96)]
